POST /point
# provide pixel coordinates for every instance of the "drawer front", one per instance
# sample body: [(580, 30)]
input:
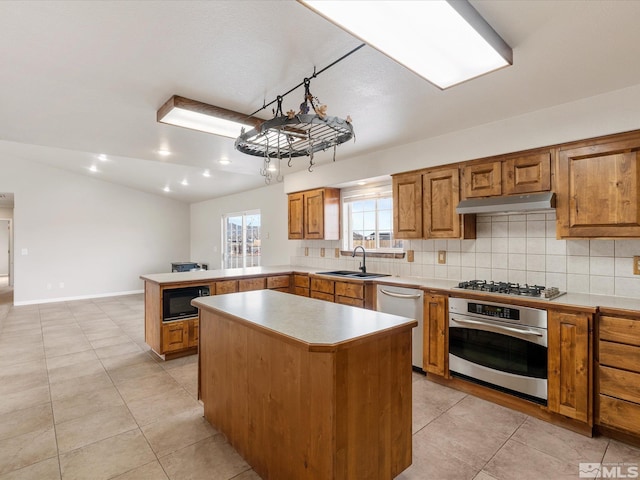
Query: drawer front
[(281, 281), (354, 302), (618, 355), (353, 290), (328, 297), (620, 384), (301, 281), (248, 284), (620, 330), (226, 286), (175, 336), (303, 292), (283, 290), (620, 414), (320, 285)]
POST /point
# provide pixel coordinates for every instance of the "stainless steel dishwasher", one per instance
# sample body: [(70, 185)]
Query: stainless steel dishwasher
[(406, 302)]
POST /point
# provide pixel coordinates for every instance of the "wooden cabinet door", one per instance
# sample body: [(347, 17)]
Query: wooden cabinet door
[(226, 286), (440, 197), (527, 174), (436, 327), (407, 205), (194, 330), (296, 218), (482, 180), (597, 190), (569, 360), (248, 284), (175, 336), (314, 214)]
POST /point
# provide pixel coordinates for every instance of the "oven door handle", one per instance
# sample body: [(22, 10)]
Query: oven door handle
[(399, 295), (500, 327)]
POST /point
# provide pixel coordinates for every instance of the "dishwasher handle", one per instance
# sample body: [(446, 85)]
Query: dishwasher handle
[(401, 295)]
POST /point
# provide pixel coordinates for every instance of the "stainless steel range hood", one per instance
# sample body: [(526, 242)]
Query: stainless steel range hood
[(545, 201)]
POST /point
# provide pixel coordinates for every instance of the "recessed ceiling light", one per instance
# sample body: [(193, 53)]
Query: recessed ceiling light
[(224, 161), (102, 157), (206, 173), (166, 188), (362, 183), (93, 168), (164, 152), (272, 168), (184, 182)]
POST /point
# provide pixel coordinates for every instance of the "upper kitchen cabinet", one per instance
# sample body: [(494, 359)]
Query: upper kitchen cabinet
[(512, 174), (597, 188), (482, 180), (315, 214), (441, 195), (407, 205), (529, 173)]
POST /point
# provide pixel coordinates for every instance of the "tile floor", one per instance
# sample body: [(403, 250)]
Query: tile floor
[(81, 397)]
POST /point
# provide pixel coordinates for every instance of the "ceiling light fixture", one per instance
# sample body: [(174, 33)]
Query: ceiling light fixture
[(224, 161), (187, 113), (297, 133), (447, 42), (93, 168), (102, 157), (206, 173), (184, 182), (166, 189), (164, 152)]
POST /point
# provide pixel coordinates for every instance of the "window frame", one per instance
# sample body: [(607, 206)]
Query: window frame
[(243, 246)]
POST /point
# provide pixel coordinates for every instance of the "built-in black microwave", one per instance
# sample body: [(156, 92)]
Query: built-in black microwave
[(176, 302)]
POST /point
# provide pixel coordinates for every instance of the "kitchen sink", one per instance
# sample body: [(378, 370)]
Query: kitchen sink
[(354, 274)]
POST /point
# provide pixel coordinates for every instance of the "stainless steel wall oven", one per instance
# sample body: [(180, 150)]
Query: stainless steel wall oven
[(499, 345)]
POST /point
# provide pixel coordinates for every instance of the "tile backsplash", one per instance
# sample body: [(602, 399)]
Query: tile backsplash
[(514, 248)]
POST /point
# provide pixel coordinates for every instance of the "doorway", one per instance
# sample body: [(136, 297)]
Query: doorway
[(6, 248)]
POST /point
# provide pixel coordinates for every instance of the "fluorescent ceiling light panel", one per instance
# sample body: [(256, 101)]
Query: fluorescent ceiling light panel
[(187, 113), (445, 42)]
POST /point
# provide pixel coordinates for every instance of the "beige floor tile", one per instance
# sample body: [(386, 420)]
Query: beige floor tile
[(430, 461), (151, 409), (46, 470), (150, 471), (26, 449), (18, 354), (173, 433), (248, 475), (430, 400), (115, 350), (493, 418), (24, 398), (560, 442), (94, 427), (110, 341), (128, 359), (465, 440), (484, 476), (180, 362), (107, 458), (618, 452), (104, 333), (209, 459), (70, 359), (81, 369), (23, 376), (137, 371), (148, 386), (26, 420), (187, 376), (63, 348), (80, 384), (518, 461), (85, 403)]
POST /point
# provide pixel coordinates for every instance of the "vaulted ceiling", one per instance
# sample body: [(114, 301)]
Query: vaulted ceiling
[(80, 79)]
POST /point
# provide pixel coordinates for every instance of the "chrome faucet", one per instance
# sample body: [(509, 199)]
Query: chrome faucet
[(363, 265)]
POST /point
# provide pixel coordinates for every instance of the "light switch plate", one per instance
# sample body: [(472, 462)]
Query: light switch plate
[(636, 265), (322, 252), (442, 256)]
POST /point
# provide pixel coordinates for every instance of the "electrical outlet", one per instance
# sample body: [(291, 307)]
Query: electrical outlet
[(410, 256), (636, 265), (306, 251), (337, 253), (442, 256), (322, 252)]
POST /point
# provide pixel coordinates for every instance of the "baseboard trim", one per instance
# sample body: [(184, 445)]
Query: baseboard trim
[(79, 297)]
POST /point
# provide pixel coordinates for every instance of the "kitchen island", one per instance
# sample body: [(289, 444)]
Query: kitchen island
[(307, 389)]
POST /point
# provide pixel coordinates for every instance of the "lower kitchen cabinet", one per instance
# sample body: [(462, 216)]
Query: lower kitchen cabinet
[(436, 339), (618, 377), (301, 284), (180, 335), (346, 293), (569, 361)]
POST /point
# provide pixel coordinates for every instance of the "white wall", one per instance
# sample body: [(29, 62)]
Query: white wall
[(94, 237), (206, 225), (4, 246)]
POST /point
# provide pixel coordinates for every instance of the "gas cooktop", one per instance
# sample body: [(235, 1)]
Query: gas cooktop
[(514, 289)]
